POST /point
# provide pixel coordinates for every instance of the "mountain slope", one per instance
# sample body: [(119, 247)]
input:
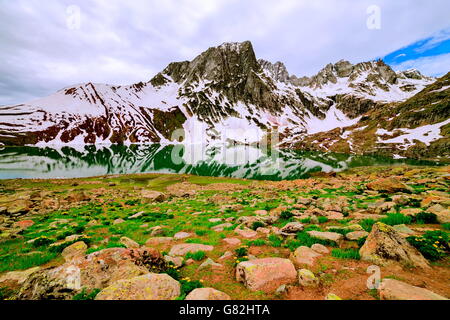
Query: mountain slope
[(416, 128), (224, 95)]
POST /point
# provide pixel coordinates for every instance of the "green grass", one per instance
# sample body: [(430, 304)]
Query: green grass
[(367, 224), (11, 262), (346, 254), (396, 219), (197, 256), (256, 243), (304, 239), (275, 241)]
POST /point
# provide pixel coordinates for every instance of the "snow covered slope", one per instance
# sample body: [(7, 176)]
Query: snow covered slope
[(225, 95)]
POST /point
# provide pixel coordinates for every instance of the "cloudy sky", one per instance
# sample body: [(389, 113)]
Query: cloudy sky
[(47, 45)]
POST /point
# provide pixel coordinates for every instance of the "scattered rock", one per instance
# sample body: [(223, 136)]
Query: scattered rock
[(307, 279), (97, 270), (137, 215), (266, 274), (246, 233), (182, 235), (402, 228), (410, 211), (291, 228), (177, 261), (330, 236), (209, 263), (332, 296), (232, 241), (184, 248), (149, 196), (261, 212), (226, 255), (207, 294), (157, 231), (304, 255), (356, 235), (129, 243), (24, 224), (385, 245), (18, 277), (391, 289), (118, 221), (157, 241), (221, 227), (389, 185), (319, 248), (75, 250), (150, 286)]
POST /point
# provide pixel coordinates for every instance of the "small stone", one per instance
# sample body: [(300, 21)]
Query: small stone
[(149, 196), (391, 289), (177, 261), (332, 296), (331, 236), (214, 220), (184, 248), (221, 227), (232, 241), (157, 241), (307, 279), (246, 233), (319, 248), (261, 212), (129, 243), (282, 290), (209, 263), (207, 294), (137, 215), (118, 221), (226, 255), (410, 211), (356, 235), (182, 235)]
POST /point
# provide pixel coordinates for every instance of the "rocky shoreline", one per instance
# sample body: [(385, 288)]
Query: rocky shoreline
[(166, 237)]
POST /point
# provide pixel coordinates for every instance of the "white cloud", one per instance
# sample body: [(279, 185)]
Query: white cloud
[(129, 41), (435, 66)]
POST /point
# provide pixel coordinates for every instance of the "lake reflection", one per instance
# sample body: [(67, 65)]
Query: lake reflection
[(236, 161)]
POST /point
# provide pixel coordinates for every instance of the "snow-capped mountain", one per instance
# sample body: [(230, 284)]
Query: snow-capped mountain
[(223, 95)]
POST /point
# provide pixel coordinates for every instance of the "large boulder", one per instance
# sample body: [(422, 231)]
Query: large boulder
[(207, 294), (329, 236), (266, 274), (356, 235), (94, 271), (184, 248), (304, 256), (149, 196), (150, 286), (291, 228), (75, 250), (390, 185), (18, 277), (391, 289), (129, 243), (384, 245)]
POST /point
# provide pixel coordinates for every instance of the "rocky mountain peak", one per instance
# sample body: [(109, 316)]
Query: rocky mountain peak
[(227, 62), (276, 71)]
